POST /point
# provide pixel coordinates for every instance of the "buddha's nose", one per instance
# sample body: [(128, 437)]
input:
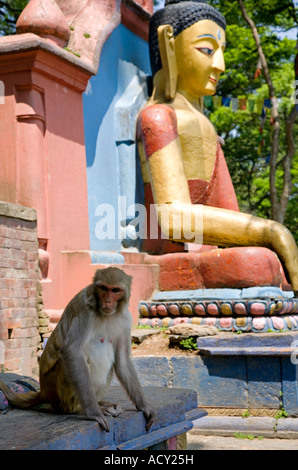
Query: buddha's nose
[(219, 61)]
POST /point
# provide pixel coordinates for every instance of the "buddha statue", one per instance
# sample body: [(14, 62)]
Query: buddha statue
[(183, 166)]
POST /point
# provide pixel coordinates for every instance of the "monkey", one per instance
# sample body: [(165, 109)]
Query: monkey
[(90, 342)]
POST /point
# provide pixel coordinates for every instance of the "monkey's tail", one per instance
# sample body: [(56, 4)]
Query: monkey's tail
[(21, 400)]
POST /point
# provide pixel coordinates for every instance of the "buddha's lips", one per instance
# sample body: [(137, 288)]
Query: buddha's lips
[(212, 79)]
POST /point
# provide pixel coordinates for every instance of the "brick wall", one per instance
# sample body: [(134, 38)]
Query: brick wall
[(19, 285)]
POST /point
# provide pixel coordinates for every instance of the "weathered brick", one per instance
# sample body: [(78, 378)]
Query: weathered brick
[(25, 332), (6, 283), (30, 322), (18, 254), (3, 230), (20, 293), (16, 344), (32, 268), (13, 323), (18, 277), (19, 311), (32, 313), (6, 314), (11, 243), (3, 334), (7, 303), (6, 293), (32, 255), (12, 363), (28, 235)]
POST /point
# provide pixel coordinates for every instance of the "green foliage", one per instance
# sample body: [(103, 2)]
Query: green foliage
[(241, 435), (72, 52), (245, 414), (248, 163), (281, 413), (189, 343), (10, 10)]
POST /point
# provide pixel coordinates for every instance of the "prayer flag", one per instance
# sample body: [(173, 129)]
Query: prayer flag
[(251, 105), (268, 104), (234, 102), (226, 102), (208, 101), (242, 103), (217, 102)]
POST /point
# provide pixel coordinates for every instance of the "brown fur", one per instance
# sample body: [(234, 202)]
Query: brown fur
[(86, 346)]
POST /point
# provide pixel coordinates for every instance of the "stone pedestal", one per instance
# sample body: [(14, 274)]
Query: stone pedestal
[(260, 309), (233, 374)]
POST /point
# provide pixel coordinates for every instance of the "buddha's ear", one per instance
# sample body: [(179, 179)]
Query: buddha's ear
[(168, 59)]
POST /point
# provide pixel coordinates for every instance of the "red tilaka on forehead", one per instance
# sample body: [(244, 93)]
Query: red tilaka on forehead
[(157, 126)]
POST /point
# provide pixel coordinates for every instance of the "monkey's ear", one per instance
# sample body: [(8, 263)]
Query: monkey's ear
[(96, 277)]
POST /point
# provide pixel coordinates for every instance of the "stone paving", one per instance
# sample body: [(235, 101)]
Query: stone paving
[(238, 433), (201, 442)]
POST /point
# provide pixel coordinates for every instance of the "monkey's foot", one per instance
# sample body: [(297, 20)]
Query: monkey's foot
[(110, 409)]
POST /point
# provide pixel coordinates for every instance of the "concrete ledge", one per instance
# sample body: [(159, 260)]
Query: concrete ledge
[(44, 430), (16, 211), (28, 41), (252, 344), (269, 292), (286, 428)]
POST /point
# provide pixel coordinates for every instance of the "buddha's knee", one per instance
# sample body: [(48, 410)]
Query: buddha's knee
[(281, 238)]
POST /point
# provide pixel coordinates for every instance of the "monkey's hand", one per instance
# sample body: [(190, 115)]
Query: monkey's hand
[(149, 416), (99, 417)]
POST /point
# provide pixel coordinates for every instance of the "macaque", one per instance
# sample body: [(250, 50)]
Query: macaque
[(91, 340)]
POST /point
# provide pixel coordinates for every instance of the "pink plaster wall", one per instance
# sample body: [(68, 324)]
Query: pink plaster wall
[(43, 165), (43, 162), (77, 270)]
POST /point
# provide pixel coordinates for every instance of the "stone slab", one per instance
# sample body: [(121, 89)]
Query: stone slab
[(247, 293), (37, 430), (139, 335), (17, 211), (229, 425), (155, 369), (217, 382), (286, 428), (250, 344)]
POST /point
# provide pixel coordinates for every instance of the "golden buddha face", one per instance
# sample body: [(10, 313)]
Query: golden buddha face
[(199, 56)]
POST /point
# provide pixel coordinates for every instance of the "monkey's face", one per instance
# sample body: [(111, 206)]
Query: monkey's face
[(109, 297)]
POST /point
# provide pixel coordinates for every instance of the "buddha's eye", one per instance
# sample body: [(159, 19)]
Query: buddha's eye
[(206, 50)]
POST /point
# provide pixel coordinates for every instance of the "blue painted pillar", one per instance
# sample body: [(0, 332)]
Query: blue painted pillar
[(111, 103)]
